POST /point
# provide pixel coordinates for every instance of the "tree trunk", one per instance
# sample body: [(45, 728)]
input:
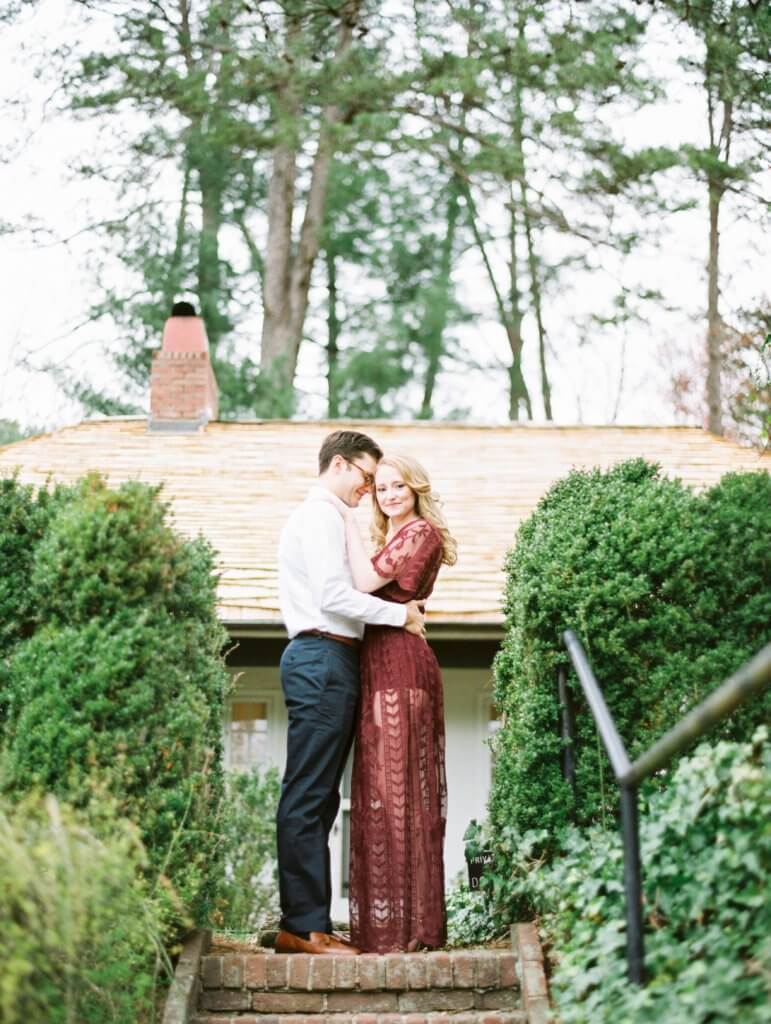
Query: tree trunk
[(511, 319), (535, 291), (333, 333), (307, 251), (288, 274), (518, 393), (202, 159), (532, 263), (440, 299), (720, 150), (172, 282), (714, 324), (278, 261), (209, 277)]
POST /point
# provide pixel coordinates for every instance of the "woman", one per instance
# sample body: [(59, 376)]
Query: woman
[(398, 794)]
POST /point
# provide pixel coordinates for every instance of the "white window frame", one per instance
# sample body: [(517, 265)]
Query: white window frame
[(265, 697)]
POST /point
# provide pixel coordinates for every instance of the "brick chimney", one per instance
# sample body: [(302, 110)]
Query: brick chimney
[(183, 391)]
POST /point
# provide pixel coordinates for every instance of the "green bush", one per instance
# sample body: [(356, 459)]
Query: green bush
[(248, 890), (705, 845), (80, 936), (508, 889), (125, 704), (469, 922), (122, 685), (706, 854), (112, 551), (736, 566), (668, 593), (24, 516)]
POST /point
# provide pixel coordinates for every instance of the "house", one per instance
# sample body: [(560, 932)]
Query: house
[(235, 482)]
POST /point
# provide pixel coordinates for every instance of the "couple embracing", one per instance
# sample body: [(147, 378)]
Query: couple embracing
[(358, 664)]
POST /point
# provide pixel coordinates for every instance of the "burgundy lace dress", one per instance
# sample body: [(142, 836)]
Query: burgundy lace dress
[(398, 789)]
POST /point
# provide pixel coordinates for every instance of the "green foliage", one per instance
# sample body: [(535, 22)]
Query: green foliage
[(385, 341), (113, 551), (667, 592), (247, 894), (23, 519), (505, 892), (10, 431), (426, 95), (747, 377), (122, 684), (508, 887), (81, 936), (735, 561), (706, 855), (706, 851), (468, 916)]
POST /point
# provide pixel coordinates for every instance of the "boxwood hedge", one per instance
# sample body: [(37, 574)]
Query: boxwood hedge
[(120, 686), (668, 591)]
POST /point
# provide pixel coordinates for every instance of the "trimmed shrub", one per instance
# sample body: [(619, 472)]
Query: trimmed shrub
[(668, 593), (247, 895), (24, 516), (122, 686), (113, 551), (125, 705), (80, 936), (735, 562)]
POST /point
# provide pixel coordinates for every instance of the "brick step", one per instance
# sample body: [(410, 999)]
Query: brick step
[(463, 986), (474, 1017)]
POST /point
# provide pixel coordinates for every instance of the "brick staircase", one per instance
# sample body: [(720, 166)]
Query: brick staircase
[(458, 987)]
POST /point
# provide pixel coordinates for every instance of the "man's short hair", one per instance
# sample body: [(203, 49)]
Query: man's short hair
[(349, 444)]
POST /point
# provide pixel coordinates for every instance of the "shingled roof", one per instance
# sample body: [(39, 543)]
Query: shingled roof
[(235, 483)]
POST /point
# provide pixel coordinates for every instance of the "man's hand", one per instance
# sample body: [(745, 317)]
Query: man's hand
[(416, 620)]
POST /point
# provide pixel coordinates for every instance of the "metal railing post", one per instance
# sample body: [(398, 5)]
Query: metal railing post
[(630, 833), (751, 679)]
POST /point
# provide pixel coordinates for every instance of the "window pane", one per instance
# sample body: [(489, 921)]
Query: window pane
[(248, 734), (494, 722), (248, 711)]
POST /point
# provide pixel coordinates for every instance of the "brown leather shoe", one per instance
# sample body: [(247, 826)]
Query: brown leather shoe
[(318, 943)]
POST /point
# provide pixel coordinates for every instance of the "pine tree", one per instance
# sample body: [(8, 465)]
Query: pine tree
[(734, 39)]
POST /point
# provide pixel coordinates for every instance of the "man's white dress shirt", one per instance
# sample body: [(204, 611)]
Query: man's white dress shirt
[(314, 578)]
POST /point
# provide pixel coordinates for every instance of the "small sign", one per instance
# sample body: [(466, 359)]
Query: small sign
[(477, 865)]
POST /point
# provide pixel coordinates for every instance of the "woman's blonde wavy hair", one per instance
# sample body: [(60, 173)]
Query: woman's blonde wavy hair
[(427, 505)]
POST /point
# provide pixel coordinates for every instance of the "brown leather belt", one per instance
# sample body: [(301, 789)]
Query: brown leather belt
[(349, 641)]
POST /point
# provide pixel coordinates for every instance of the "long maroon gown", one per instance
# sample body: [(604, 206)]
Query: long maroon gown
[(398, 789)]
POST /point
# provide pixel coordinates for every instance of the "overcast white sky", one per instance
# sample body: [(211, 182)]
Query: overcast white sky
[(45, 289)]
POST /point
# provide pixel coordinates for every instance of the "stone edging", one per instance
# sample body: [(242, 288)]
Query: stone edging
[(535, 992), (181, 1002)]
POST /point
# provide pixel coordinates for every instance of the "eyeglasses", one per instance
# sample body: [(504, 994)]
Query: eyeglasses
[(369, 478)]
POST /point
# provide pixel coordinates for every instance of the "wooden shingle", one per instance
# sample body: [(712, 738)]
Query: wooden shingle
[(236, 482)]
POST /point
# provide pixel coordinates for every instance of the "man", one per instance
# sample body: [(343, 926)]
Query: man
[(324, 616)]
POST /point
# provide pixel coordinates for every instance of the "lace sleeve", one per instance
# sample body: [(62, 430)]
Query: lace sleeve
[(405, 557)]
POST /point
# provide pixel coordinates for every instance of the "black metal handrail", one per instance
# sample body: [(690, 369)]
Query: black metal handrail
[(749, 680)]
